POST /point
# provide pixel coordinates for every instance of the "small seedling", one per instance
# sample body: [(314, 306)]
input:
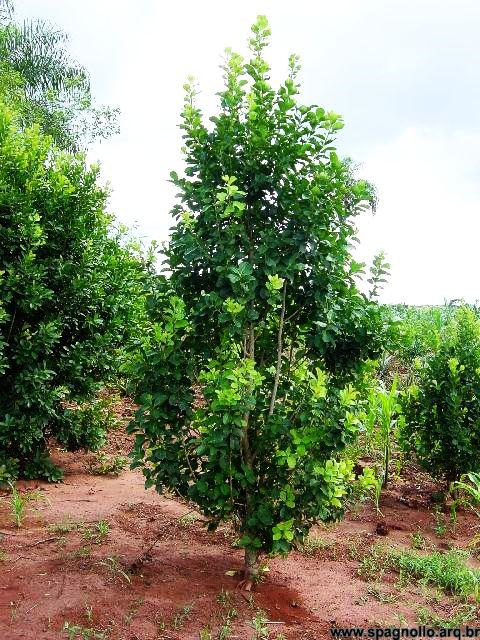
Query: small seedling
[(259, 624), (102, 528), (98, 533), (226, 629), (440, 527), (418, 540), (13, 610), (18, 505), (180, 618), (133, 610), (223, 598), (113, 565)]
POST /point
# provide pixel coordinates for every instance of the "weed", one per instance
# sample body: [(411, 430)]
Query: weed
[(18, 505), (431, 596), (474, 545), (113, 566), (362, 600), (313, 545), (445, 570), (88, 612), (76, 631), (180, 617), (463, 614), (384, 598), (104, 465), (98, 533), (224, 598), (226, 629), (3, 556), (259, 624), (418, 540), (375, 563), (65, 527), (188, 519), (402, 620), (440, 527), (160, 622), (205, 634), (103, 528), (354, 549), (82, 552), (133, 610)]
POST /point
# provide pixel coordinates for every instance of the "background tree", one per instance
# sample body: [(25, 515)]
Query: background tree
[(72, 296), (261, 312), (39, 79), (442, 412)]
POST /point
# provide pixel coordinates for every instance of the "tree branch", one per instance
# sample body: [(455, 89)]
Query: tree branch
[(279, 351)]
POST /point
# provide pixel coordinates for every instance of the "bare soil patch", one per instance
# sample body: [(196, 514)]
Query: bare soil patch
[(158, 574)]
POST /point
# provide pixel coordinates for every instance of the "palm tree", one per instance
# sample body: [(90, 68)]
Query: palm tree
[(55, 88)]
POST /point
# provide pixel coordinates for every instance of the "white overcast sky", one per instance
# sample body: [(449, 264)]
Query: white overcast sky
[(403, 73)]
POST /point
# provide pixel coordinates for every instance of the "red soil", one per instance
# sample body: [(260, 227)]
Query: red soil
[(158, 558)]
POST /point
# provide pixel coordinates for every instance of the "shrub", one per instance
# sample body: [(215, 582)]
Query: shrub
[(71, 295), (442, 410), (248, 392), (419, 330)]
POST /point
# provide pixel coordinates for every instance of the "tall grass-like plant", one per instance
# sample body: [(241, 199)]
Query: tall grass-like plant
[(388, 418)]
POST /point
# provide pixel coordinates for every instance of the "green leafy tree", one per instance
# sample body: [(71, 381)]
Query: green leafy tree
[(41, 82), (71, 292), (442, 412), (248, 398)]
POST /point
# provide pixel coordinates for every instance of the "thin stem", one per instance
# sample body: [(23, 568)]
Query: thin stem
[(279, 352)]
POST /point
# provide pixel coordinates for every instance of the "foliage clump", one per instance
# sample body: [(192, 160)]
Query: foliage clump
[(442, 411), (249, 374), (71, 294)]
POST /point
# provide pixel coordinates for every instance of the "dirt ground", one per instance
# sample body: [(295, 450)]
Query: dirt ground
[(158, 574)]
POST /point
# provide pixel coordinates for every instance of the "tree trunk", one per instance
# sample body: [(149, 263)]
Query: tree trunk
[(251, 570), (387, 464)]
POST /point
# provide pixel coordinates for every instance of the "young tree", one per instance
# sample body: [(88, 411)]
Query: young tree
[(247, 397), (71, 296)]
